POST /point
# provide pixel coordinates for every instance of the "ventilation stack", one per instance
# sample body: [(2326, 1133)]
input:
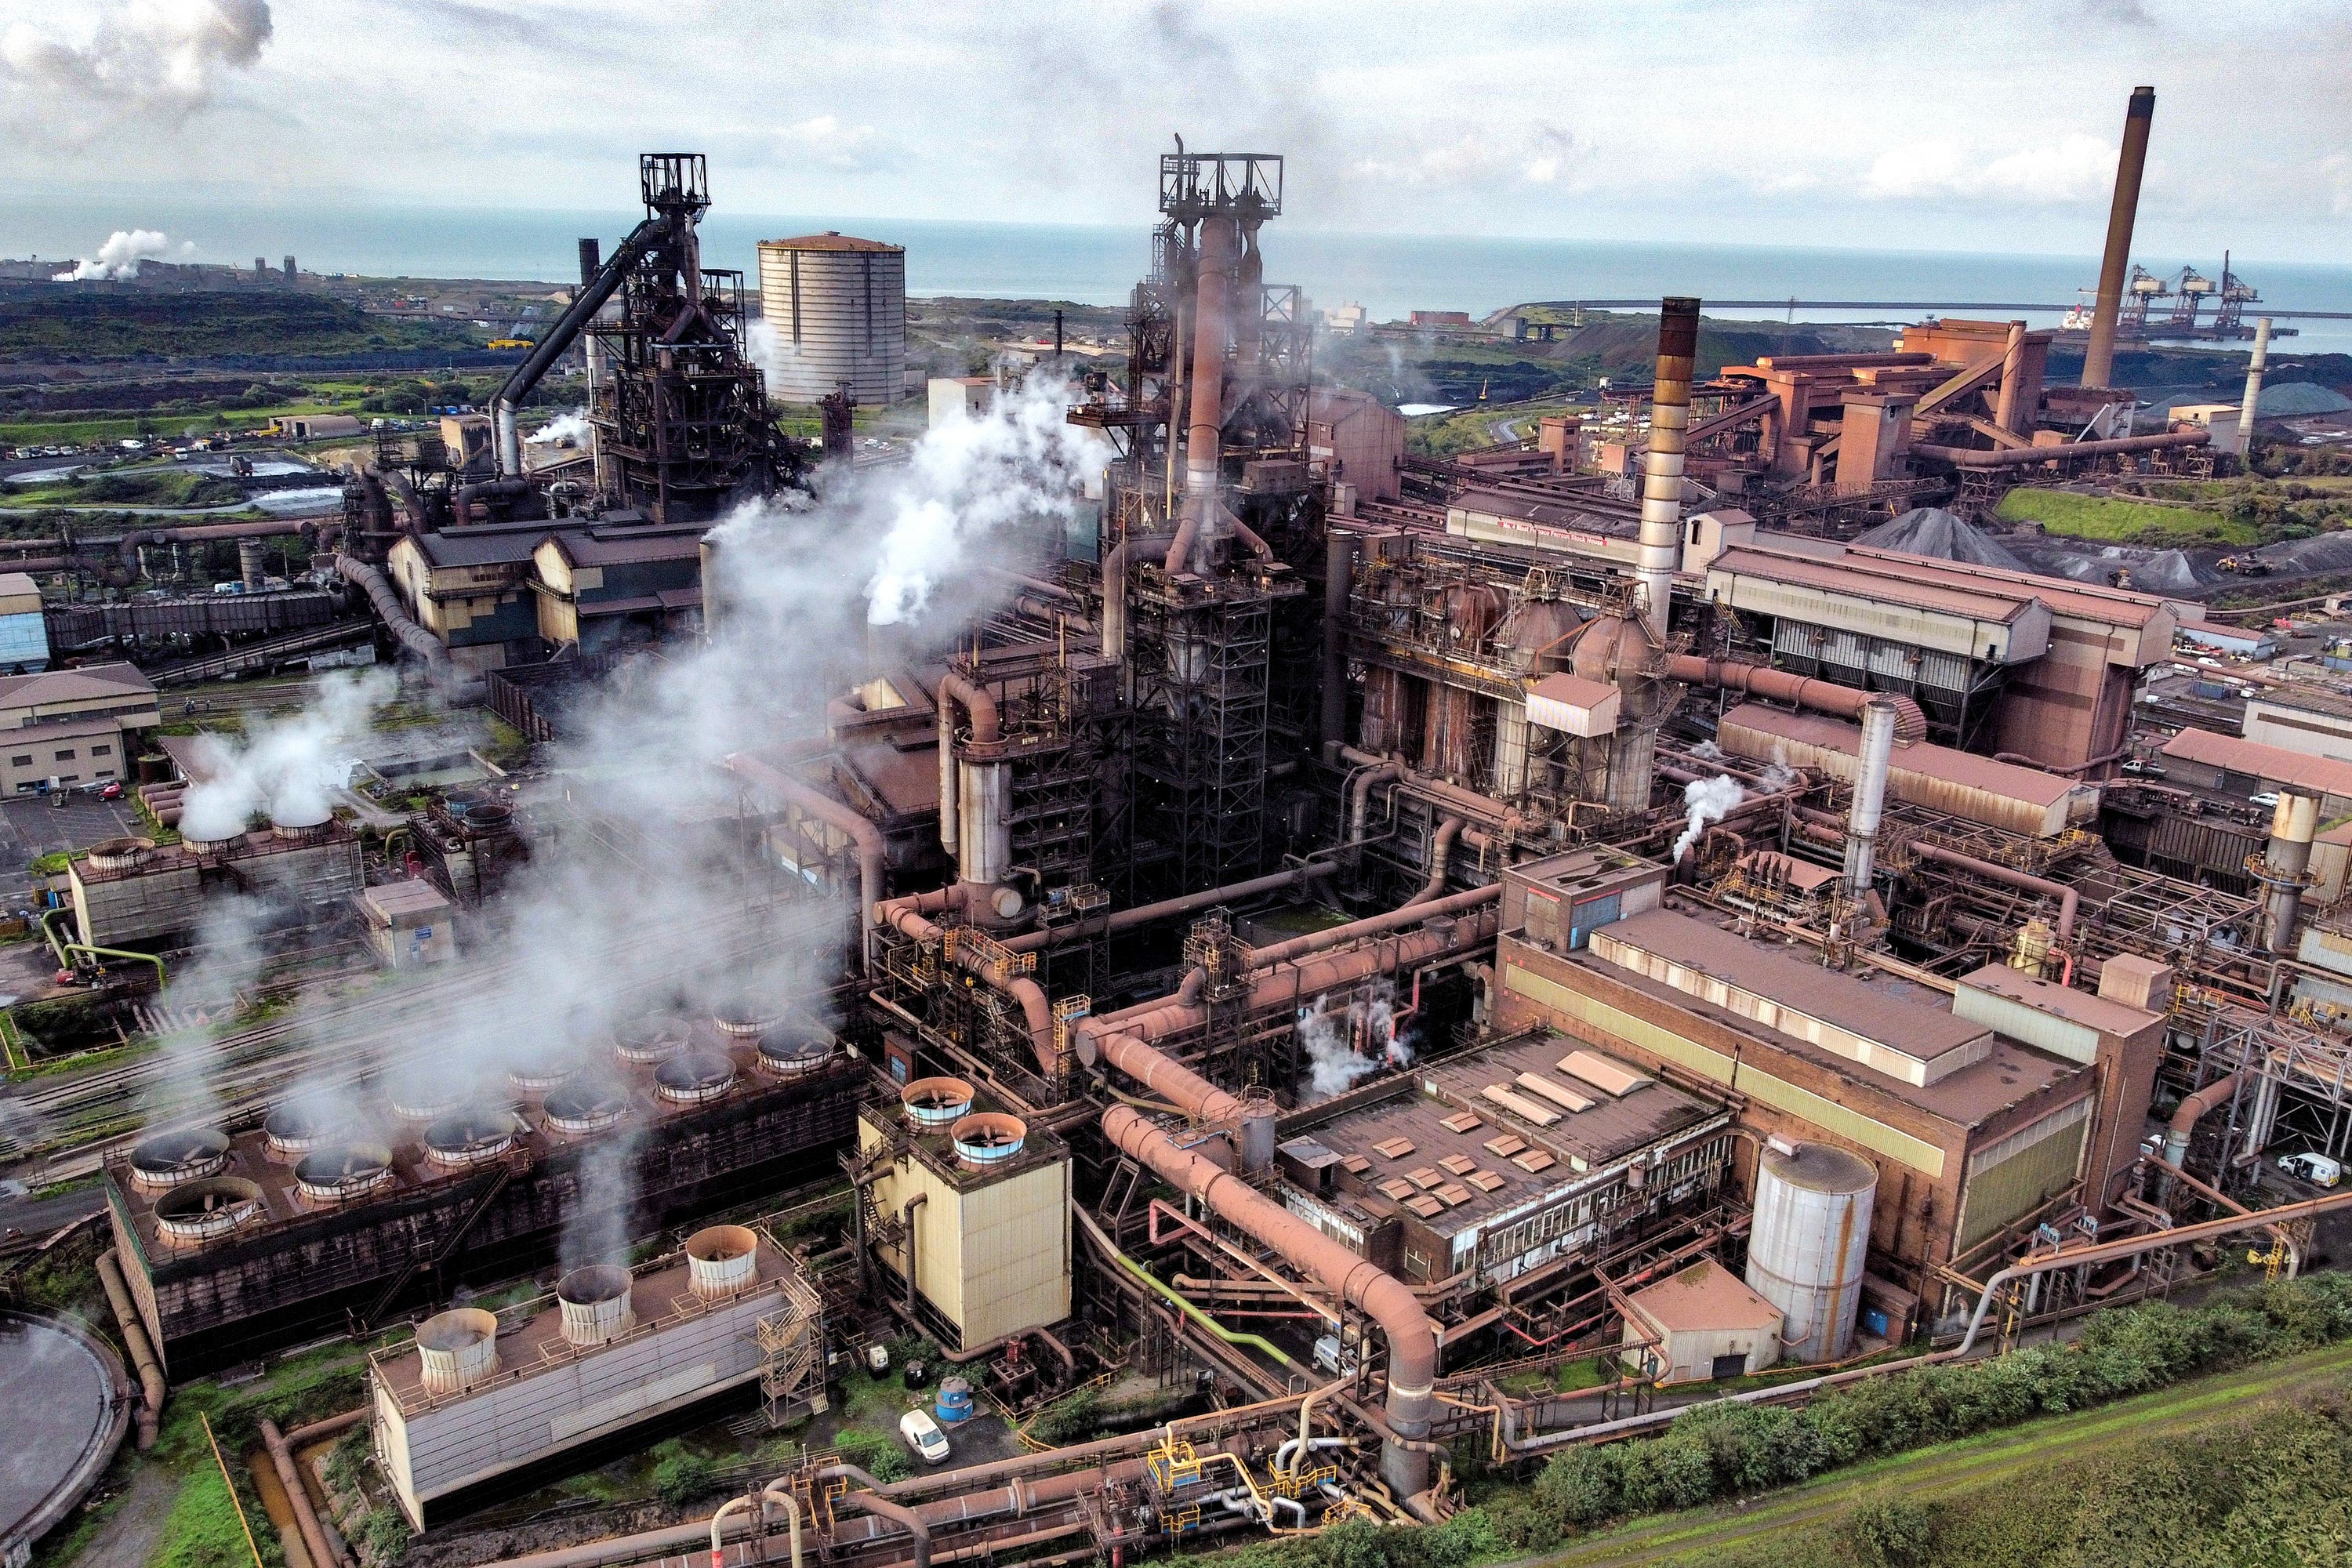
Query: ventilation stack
[(1878, 719), (1662, 492), (2254, 365), (2099, 358), (722, 1261), (2286, 871), (596, 1305), (456, 1349)]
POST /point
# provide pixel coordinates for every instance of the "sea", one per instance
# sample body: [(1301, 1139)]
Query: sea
[(1389, 274)]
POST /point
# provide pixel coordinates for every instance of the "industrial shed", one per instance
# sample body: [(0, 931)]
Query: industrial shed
[(1705, 1323)]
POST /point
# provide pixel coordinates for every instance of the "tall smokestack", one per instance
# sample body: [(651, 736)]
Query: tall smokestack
[(2099, 359), (1662, 493), (2253, 386), (592, 260), (2006, 413), (1205, 428), (2294, 825), (1878, 718)]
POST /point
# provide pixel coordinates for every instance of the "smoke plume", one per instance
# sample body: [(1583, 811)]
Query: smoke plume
[(1706, 801), (288, 768), (121, 255), (570, 429), (1350, 1041), (144, 60)]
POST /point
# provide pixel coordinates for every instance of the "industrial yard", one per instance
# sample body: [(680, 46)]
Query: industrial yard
[(733, 911)]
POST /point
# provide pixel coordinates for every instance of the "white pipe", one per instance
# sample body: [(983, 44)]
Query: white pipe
[(2246, 404), (1878, 717), (1662, 492)]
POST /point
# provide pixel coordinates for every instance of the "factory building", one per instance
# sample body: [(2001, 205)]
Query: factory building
[(23, 629), (2308, 718), (235, 1243), (131, 890), (837, 306), (69, 727)]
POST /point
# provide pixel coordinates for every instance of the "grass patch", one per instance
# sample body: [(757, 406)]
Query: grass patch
[(2118, 522), (202, 1530)]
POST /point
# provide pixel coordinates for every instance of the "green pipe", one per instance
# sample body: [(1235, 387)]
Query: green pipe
[(50, 931), (1230, 1336), (120, 953)]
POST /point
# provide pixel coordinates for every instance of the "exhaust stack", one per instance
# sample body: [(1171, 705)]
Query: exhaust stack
[(1878, 719), (2254, 366), (1662, 492), (2286, 870), (2099, 359)]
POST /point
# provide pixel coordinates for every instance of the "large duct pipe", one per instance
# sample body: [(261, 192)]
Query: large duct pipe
[(411, 637), (1878, 719), (2099, 358), (2186, 1116), (1804, 691), (1205, 423), (1339, 578), (2253, 395), (981, 838), (1662, 485), (2006, 413), (135, 1339), (911, 917), (297, 1497), (249, 573), (1411, 1341), (871, 1500), (1170, 908), (2294, 823), (832, 813), (1440, 853), (2026, 457), (560, 336)]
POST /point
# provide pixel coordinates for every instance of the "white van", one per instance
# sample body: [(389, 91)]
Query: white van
[(923, 1435), (2317, 1169)]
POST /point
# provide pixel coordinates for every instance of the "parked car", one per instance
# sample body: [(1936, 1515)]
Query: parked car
[(2317, 1169), (923, 1435), (2141, 768), (2267, 800), (110, 790)]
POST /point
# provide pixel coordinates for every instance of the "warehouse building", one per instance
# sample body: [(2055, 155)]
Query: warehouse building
[(69, 727)]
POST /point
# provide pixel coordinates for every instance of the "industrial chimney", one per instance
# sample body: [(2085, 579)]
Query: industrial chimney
[(2253, 386), (2286, 870), (1878, 719), (1662, 493), (2099, 359)]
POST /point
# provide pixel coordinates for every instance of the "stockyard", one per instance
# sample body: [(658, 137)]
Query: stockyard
[(1133, 953)]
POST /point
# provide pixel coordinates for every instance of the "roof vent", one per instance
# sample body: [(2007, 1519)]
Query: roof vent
[(585, 1106), (695, 1078), (722, 1260), (595, 1304), (656, 1038), (456, 1349), (168, 1159), (466, 1138), (990, 1138), (336, 1173), (792, 1050), (933, 1103), (119, 854), (295, 1129), (194, 1213)]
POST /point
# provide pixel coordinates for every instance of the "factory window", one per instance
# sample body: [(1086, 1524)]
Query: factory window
[(103, 773), (101, 751), (67, 755), (1416, 1261), (23, 762), (27, 788), (68, 778)]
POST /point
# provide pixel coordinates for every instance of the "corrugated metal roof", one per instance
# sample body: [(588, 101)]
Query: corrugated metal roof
[(91, 680), (1966, 768), (2000, 605), (2083, 601), (1705, 1296), (2271, 765)]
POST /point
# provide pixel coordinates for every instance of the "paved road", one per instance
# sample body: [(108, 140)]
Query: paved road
[(37, 1217)]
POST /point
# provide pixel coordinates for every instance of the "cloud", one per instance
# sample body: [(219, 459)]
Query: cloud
[(823, 139), (119, 256), (1537, 154), (2075, 168), (141, 59)]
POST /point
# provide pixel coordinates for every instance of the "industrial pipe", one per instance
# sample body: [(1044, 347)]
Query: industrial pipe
[(1662, 485), (1878, 719), (2025, 457), (871, 1500), (1411, 1341), (1176, 1298), (2069, 901), (2192, 1107), (134, 1330), (2098, 358), (1338, 579), (776, 1491), (909, 916), (298, 1498), (1359, 794), (973, 786), (560, 337), (2253, 393), (461, 504), (1170, 908), (832, 813), (2294, 823), (1204, 426), (1297, 947), (302, 1438), (1797, 691), (395, 617), (907, 1223), (1440, 852)]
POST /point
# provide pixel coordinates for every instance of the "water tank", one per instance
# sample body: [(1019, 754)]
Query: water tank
[(721, 1260), (456, 1349), (1806, 1248), (837, 305), (954, 1402), (595, 1304)]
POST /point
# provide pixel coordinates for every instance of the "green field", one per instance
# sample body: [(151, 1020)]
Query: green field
[(2119, 521), (81, 326)]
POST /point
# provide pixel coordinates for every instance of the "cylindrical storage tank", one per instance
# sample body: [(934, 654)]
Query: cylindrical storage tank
[(792, 1050), (585, 1106), (338, 1173), (954, 1402), (595, 1302), (722, 1260), (466, 1138), (194, 1213), (694, 1078), (991, 1138), (656, 1038), (168, 1159), (295, 1129), (934, 1103), (456, 1349), (1805, 1250), (837, 305)]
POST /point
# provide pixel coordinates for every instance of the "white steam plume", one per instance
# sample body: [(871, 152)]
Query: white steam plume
[(289, 768), (121, 255), (1705, 801), (142, 59), (572, 427), (1345, 1043)]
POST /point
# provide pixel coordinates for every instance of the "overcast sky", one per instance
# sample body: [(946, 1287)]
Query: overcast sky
[(1931, 124)]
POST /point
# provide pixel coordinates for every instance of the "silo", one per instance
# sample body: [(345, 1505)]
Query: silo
[(837, 307), (1805, 1250)]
